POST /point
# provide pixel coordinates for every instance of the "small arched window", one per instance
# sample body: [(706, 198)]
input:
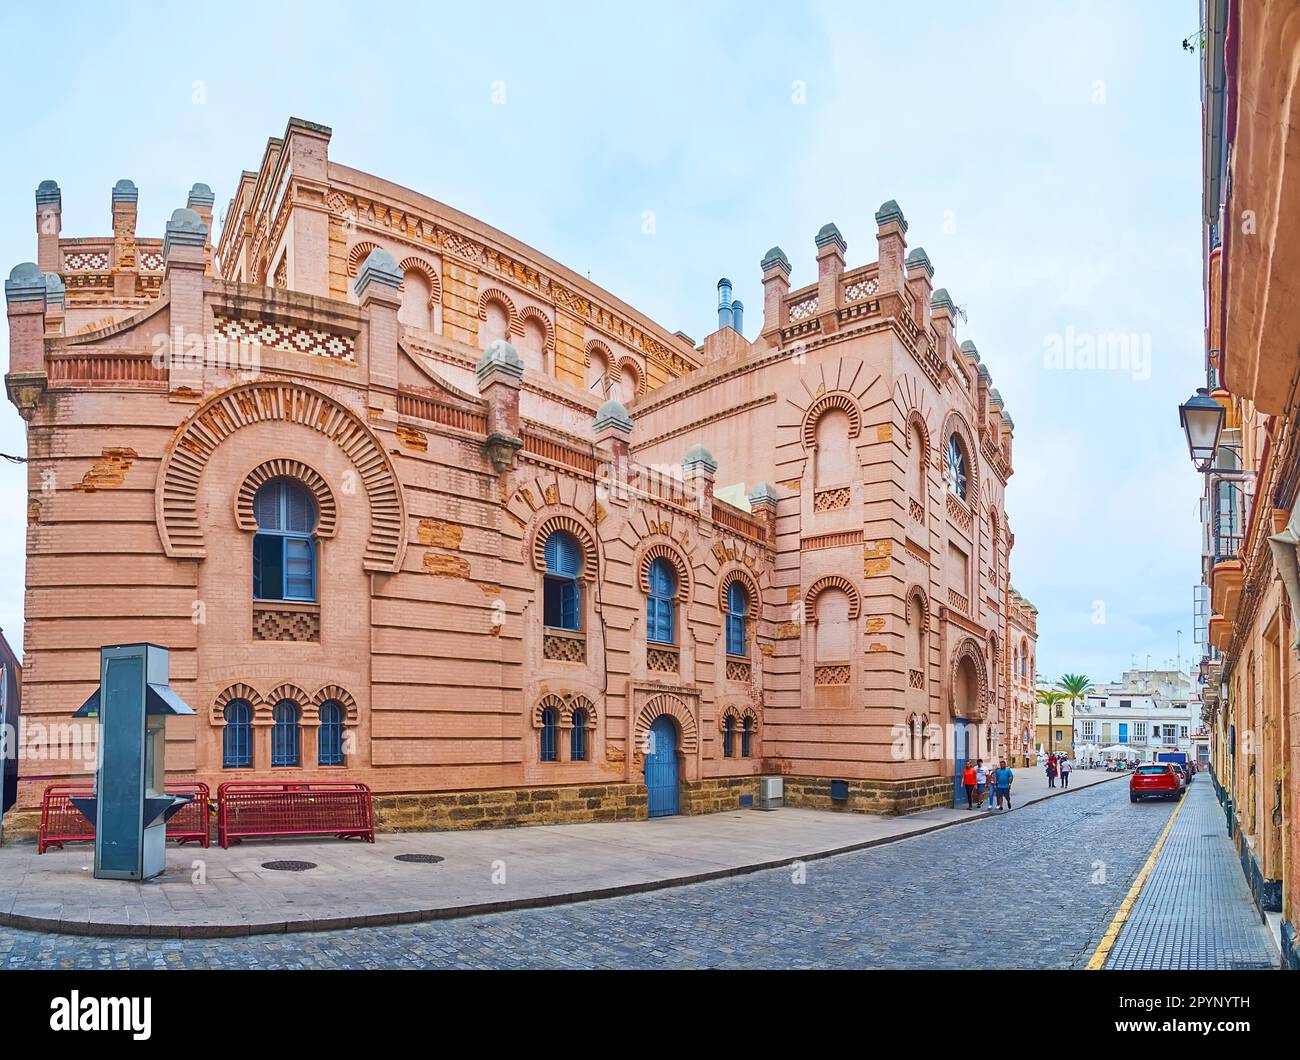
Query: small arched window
[(284, 553), (560, 593), (237, 745), (834, 459), (578, 740), (956, 469), (284, 734), (659, 604), (834, 637), (746, 738), (728, 736), (417, 295), (737, 614), (495, 323), (598, 374), (330, 739), (550, 735)]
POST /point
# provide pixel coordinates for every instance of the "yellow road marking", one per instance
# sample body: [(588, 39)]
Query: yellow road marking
[(1098, 959)]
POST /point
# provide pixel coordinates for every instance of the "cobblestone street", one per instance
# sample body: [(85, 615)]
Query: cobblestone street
[(934, 901)]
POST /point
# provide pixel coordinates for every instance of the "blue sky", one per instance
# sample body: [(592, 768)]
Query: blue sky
[(1045, 155)]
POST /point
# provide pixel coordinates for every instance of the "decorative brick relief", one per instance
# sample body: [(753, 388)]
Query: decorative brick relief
[(271, 624), (564, 649), (294, 337), (831, 500), (739, 671), (85, 261), (661, 660), (832, 675)]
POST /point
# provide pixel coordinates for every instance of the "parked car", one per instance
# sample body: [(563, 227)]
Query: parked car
[(1157, 780)]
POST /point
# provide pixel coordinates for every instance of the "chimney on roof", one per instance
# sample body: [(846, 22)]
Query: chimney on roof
[(738, 316), (724, 303)]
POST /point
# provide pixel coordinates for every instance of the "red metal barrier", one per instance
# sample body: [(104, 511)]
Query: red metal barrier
[(249, 808), (61, 822)]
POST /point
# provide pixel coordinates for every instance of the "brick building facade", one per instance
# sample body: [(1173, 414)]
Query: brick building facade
[(413, 504)]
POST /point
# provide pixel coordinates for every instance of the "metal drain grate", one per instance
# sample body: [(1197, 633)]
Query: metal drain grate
[(289, 866), (419, 859)]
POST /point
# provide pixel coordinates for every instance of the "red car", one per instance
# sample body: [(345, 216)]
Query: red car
[(1155, 781)]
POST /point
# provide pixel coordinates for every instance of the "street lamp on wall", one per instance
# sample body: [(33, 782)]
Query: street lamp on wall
[(1202, 420)]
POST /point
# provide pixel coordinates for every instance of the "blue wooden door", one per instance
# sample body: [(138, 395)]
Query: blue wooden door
[(661, 767), (960, 752)]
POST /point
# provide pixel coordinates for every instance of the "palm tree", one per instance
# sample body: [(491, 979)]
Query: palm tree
[(1049, 698), (1074, 687)]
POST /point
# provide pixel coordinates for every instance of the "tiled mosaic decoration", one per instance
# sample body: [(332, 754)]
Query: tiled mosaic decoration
[(312, 341), (85, 261)]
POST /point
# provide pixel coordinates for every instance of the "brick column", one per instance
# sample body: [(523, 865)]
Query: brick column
[(776, 285), (891, 242), (699, 469), (500, 374), (183, 287), (920, 276), (123, 262), (378, 288), (25, 293), (200, 201), (49, 223), (55, 305), (830, 267)]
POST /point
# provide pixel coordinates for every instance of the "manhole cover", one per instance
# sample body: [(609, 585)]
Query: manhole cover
[(289, 866), (419, 859)]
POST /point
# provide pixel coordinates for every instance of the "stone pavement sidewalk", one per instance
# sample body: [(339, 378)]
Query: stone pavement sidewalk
[(214, 892), (1195, 910)]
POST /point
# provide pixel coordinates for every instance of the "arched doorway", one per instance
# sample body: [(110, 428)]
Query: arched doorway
[(965, 706), (661, 767)]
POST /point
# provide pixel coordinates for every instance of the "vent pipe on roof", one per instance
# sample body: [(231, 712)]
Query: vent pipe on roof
[(738, 315), (724, 303)]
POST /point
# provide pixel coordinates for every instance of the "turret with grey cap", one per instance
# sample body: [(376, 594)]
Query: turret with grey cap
[(919, 259), (612, 415)]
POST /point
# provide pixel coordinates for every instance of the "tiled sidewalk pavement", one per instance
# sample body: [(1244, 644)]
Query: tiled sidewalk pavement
[(231, 892), (1195, 911)]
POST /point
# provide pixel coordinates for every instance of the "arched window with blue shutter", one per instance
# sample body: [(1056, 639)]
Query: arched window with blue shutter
[(560, 594), (550, 735), (329, 750), (728, 736), (659, 604), (746, 737), (284, 553), (284, 734), (578, 741), (737, 613), (237, 744)]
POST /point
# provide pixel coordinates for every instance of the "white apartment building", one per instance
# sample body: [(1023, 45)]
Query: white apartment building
[(1147, 712)]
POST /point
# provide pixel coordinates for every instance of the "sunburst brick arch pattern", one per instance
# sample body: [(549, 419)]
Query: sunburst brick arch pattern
[(358, 254), (236, 691), (198, 438), (682, 570), (423, 267), (564, 704), (572, 526), (969, 648), (831, 581), (656, 707), (326, 509)]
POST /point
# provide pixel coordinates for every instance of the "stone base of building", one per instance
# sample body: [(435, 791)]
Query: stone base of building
[(890, 797), (579, 803), (1290, 947), (20, 824), (1267, 893)]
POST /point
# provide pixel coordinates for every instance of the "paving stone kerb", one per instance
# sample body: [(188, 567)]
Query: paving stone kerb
[(219, 893)]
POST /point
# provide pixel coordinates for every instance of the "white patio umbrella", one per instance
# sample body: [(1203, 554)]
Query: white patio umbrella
[(1119, 749)]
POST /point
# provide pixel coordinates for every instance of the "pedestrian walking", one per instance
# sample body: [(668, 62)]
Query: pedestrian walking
[(1051, 771), (982, 785), (968, 781), (1002, 779), (1065, 771)]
